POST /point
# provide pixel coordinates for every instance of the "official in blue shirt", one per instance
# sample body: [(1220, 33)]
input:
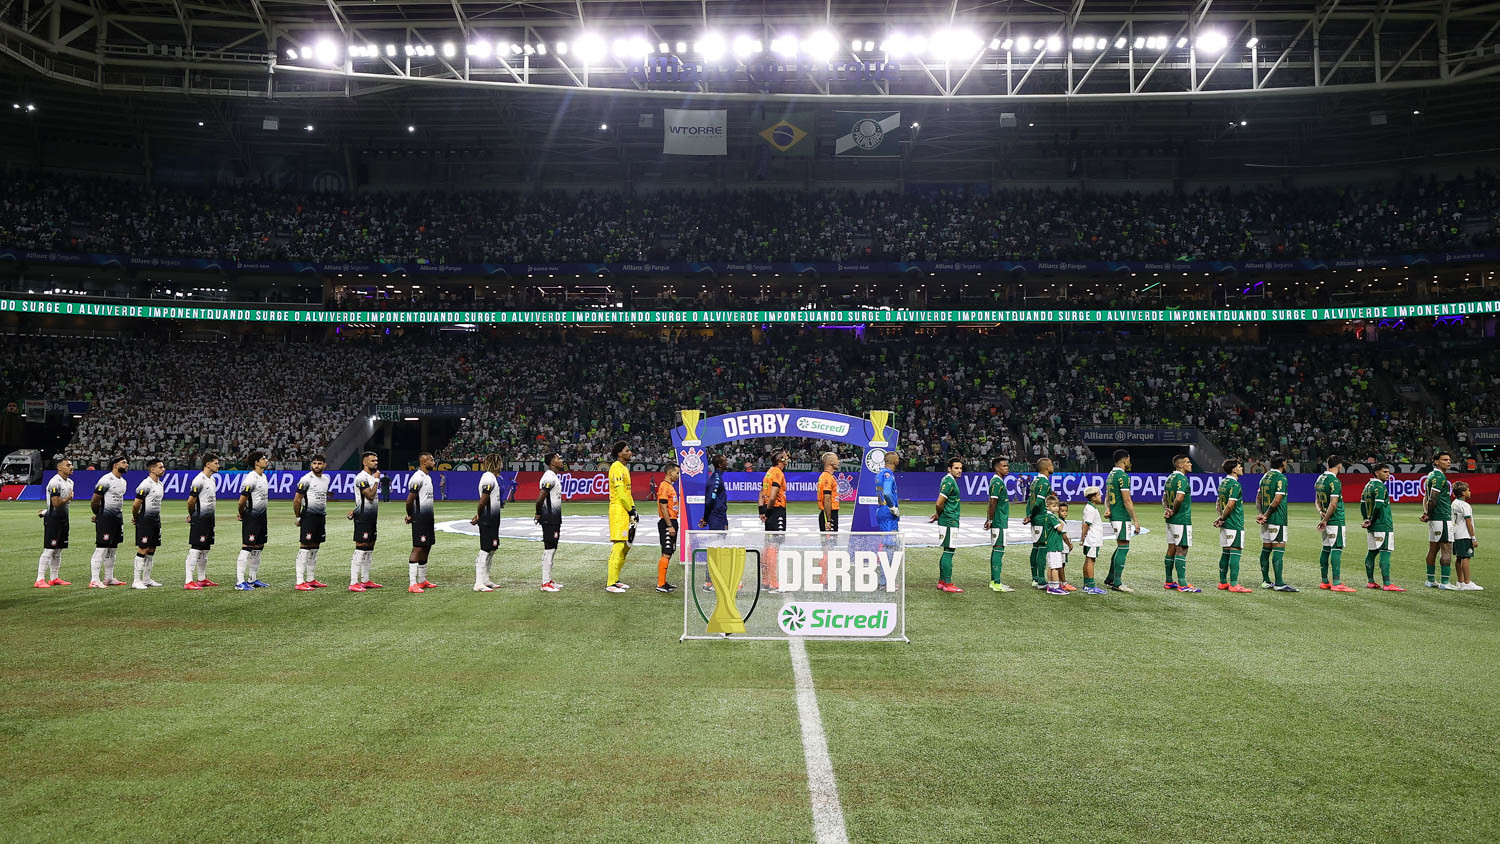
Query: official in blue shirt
[(716, 497), (888, 514)]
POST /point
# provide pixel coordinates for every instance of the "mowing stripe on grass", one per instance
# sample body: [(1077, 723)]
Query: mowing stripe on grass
[(828, 813)]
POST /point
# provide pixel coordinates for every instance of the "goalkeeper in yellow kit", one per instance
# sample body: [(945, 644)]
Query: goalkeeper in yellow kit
[(622, 515)]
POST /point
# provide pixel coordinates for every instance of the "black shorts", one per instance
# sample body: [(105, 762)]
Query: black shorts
[(55, 533), (667, 531), (828, 521), (422, 530), (775, 518), (313, 528), (489, 535), (148, 532), (107, 530), (364, 531), (551, 532), (253, 529), (201, 533)]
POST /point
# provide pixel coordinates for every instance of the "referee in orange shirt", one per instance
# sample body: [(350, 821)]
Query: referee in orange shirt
[(773, 513), (828, 495), (666, 526)]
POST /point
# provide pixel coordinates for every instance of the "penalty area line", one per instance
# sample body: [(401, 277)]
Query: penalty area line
[(822, 789)]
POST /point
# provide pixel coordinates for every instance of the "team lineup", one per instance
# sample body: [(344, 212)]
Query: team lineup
[(1109, 512)]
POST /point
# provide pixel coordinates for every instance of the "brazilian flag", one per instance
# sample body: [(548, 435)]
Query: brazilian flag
[(790, 133)]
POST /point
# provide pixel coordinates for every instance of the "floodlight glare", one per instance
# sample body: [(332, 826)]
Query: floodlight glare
[(291, 53), (869, 45), (896, 45), (480, 49), (918, 45), (449, 51), (528, 49), (785, 46), (541, 48), (1212, 42), (1054, 43), (590, 48), (950, 44), (854, 45), (390, 49), (1023, 44), (682, 46), (1006, 44), (712, 47), (663, 48), (1120, 43), (821, 45), (307, 52), (1078, 42), (327, 52), (410, 129), (1252, 42), (515, 49), (1181, 42), (562, 48), (744, 47)]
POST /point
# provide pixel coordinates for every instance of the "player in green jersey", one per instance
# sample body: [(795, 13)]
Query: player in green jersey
[(997, 519), (1177, 508), (1271, 501), (947, 519), (1122, 521), (1036, 505), (1375, 510), (1437, 512), (1330, 495), (1231, 525)]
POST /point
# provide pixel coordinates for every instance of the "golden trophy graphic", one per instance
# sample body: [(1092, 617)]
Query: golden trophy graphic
[(879, 419), (690, 420), (726, 567)]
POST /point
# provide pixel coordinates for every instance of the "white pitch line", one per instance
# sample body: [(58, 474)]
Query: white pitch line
[(828, 813)]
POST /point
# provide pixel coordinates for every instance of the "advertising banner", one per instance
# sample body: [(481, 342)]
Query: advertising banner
[(1408, 488), (688, 131), (1139, 436), (1484, 436), (872, 316)]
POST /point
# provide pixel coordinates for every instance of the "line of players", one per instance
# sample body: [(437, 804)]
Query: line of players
[(1445, 510), (1451, 530), (309, 510)]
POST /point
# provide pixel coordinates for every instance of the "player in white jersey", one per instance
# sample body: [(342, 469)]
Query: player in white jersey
[(202, 496), (252, 516), (366, 516), (55, 526), (145, 514), (1465, 538), (108, 505), (423, 523), (491, 499), (310, 510), (549, 516), (1092, 538)]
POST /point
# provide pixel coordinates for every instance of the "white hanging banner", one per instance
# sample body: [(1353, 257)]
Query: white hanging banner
[(694, 131)]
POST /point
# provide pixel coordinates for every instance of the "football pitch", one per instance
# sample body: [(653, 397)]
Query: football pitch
[(520, 715)]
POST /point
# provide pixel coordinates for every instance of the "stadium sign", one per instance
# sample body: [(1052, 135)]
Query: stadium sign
[(873, 316), (1484, 436), (809, 618), (839, 571), (1138, 436)]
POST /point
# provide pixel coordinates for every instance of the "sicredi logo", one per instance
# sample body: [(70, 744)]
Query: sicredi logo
[(825, 427), (810, 618), (756, 424), (839, 571)]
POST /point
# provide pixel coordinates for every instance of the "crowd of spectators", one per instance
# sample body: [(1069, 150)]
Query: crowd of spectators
[(55, 212), (969, 395)]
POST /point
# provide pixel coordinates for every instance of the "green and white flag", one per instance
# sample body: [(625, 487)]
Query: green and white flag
[(868, 134)]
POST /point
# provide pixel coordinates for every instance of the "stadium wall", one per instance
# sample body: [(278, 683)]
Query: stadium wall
[(1145, 487)]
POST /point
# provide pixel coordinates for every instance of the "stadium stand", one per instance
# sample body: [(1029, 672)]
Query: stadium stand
[(55, 212)]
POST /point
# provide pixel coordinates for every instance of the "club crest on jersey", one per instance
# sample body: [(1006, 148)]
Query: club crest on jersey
[(691, 461)]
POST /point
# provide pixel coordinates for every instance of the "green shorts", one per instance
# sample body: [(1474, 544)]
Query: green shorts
[(1463, 549)]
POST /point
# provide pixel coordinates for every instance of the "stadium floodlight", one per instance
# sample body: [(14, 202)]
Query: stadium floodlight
[(480, 48), (854, 45), (200, 123), (604, 127), (711, 46), (1023, 44), (308, 127), (1212, 42), (1054, 43), (955, 44), (449, 51), (410, 51), (291, 53), (528, 49), (307, 52), (1252, 43), (785, 46), (1006, 44), (410, 129), (821, 45), (918, 45), (896, 45), (869, 45), (515, 49), (562, 48), (1078, 42), (390, 49), (663, 48), (745, 47), (1181, 42), (541, 48), (1139, 42), (1120, 43)]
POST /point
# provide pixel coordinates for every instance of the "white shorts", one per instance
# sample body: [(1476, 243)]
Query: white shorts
[(1231, 538), (1272, 533), (1036, 534), (1440, 531), (1055, 559), (1381, 541), (1091, 552), (1180, 535), (997, 538), (1333, 537), (1121, 530)]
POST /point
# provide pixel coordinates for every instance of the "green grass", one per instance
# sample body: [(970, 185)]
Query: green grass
[(578, 716)]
